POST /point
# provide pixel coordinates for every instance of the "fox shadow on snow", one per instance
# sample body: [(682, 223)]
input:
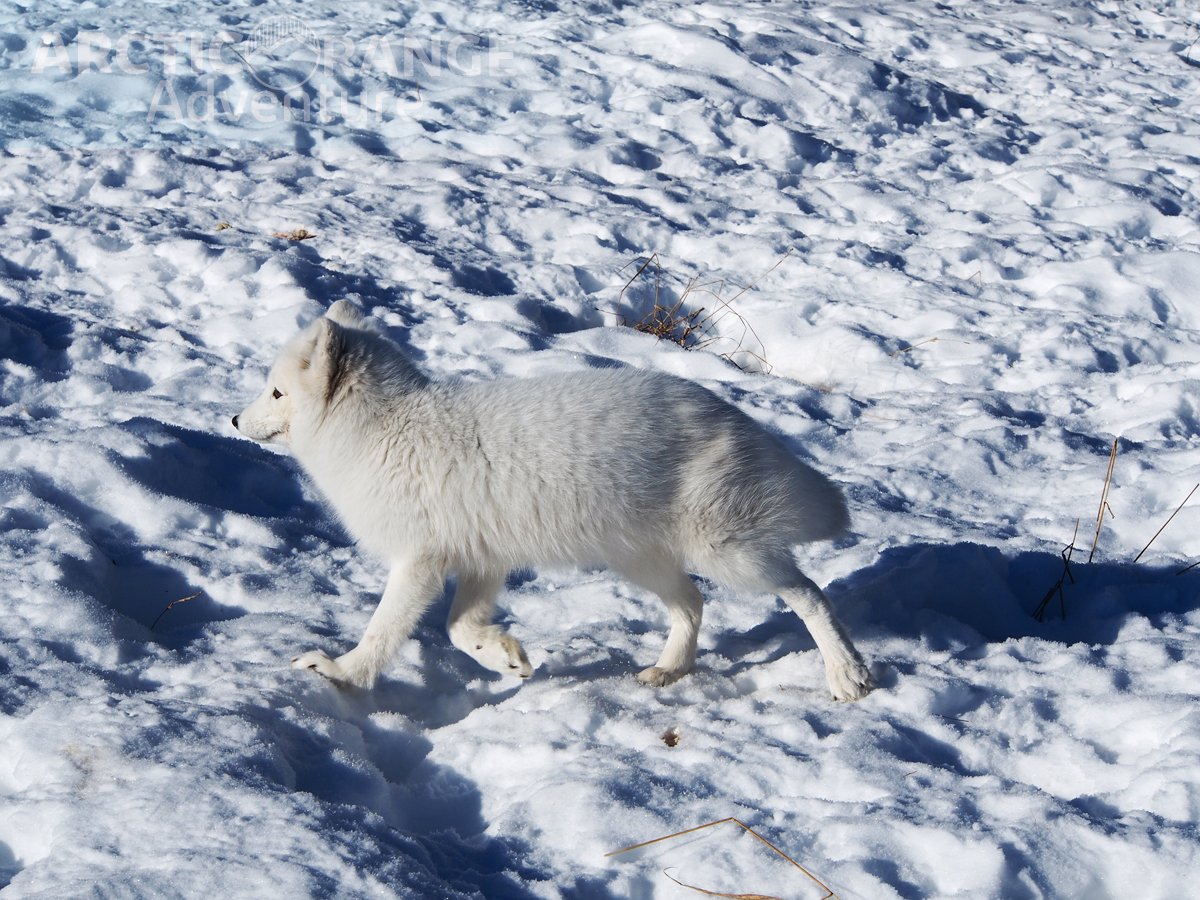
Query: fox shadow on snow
[(946, 595), (210, 473), (932, 591)]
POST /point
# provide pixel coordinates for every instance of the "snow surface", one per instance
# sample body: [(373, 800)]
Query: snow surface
[(960, 249)]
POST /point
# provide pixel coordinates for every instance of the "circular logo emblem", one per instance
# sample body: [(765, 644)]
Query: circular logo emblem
[(281, 53)]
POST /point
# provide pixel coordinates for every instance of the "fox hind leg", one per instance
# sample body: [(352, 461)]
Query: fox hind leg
[(845, 671)]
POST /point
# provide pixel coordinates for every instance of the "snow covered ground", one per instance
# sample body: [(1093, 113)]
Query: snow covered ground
[(960, 252)]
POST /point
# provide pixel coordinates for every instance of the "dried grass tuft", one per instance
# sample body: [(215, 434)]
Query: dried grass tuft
[(687, 323), (1057, 589)]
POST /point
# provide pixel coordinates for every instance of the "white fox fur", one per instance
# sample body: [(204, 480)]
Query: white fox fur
[(646, 473)]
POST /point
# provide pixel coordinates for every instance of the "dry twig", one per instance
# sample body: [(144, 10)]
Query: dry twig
[(173, 604), (296, 234), (1168, 522), (708, 893), (911, 347), (1112, 462), (828, 891), (1057, 587), (929, 340)]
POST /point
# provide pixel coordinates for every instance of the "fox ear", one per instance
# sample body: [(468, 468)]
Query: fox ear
[(345, 313), (323, 362)]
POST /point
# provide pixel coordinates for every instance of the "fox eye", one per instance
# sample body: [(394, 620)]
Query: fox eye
[(276, 394)]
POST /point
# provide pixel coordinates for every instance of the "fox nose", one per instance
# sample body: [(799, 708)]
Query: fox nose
[(235, 418)]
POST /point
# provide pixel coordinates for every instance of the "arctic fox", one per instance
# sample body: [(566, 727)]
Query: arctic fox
[(643, 472)]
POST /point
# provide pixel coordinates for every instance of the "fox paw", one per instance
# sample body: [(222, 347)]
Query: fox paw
[(336, 670), (658, 677), (849, 681), (503, 653), (318, 661)]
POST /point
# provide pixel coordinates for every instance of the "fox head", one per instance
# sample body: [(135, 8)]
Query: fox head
[(304, 378)]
